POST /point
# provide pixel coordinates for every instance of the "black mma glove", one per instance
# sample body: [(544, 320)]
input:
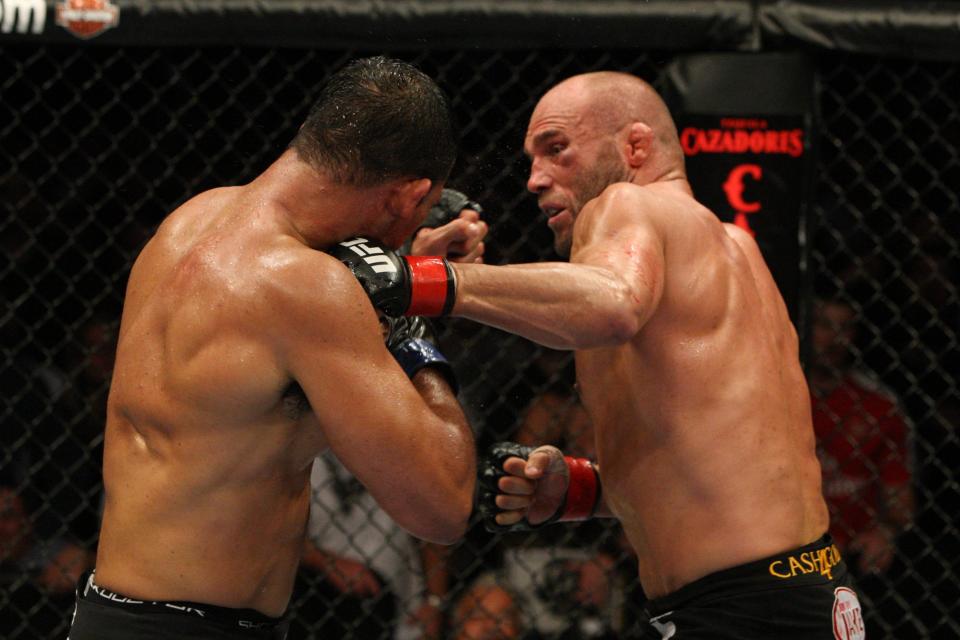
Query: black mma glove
[(399, 285), (447, 209), (580, 503), (413, 343)]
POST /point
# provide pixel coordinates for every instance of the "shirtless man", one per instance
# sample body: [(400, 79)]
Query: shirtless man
[(244, 352), (688, 366)]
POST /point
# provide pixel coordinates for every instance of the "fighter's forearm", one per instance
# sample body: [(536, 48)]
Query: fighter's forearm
[(559, 305), (453, 449), (435, 390)]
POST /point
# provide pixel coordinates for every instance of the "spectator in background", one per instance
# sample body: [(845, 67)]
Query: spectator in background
[(98, 342), (90, 368), (487, 611), (363, 576), (556, 582), (37, 576), (863, 444), (43, 449)]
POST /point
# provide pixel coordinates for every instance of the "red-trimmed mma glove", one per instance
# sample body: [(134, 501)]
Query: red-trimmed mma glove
[(448, 208), (399, 285), (413, 343), (451, 204), (579, 503)]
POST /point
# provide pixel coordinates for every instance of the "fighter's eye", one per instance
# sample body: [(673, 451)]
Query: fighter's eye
[(556, 148)]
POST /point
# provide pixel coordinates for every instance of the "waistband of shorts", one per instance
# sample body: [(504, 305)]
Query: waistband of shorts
[(816, 563), (89, 591)]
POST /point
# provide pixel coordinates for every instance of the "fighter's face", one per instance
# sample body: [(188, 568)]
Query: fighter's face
[(401, 227), (572, 162)]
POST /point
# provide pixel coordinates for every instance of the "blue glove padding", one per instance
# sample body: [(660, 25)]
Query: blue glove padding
[(412, 341)]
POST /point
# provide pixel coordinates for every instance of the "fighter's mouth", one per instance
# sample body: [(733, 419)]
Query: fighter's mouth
[(551, 211)]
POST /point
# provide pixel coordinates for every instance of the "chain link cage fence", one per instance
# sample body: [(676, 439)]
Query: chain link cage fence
[(100, 143)]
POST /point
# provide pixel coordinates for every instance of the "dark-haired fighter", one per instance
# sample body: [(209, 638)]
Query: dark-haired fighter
[(244, 351), (688, 366)]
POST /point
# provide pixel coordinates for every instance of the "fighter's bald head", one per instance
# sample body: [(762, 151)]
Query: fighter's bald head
[(612, 100)]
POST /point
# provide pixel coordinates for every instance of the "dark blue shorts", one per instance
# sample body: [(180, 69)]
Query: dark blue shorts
[(804, 594), (104, 615)]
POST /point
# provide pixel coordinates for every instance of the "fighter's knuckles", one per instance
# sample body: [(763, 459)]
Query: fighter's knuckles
[(515, 466), (547, 450), (548, 459), (508, 518), (457, 230), (479, 229), (469, 215), (512, 502), (515, 486)]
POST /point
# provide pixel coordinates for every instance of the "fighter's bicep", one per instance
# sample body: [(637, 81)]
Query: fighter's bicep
[(632, 250)]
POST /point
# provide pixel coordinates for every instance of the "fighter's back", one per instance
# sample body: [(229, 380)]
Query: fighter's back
[(201, 419), (703, 426)]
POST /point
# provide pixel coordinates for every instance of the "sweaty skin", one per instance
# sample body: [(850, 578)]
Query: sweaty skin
[(687, 361), (243, 353)]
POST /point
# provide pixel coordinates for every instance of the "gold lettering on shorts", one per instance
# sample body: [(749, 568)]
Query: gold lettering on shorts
[(820, 561)]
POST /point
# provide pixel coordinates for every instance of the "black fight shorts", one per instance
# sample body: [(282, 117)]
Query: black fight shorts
[(804, 594), (103, 615)]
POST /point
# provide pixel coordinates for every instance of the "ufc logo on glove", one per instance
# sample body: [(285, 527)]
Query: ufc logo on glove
[(373, 256), (399, 285)]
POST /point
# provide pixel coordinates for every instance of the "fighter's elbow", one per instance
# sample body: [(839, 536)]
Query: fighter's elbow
[(450, 526), (598, 331), (624, 324), (617, 323), (453, 532)]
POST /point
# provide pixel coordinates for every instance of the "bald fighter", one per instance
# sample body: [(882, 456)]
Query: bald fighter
[(688, 366), (244, 351)]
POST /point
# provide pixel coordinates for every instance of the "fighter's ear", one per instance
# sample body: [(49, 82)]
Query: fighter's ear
[(408, 194), (639, 143)]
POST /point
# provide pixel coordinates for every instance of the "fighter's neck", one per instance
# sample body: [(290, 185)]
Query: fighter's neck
[(669, 177), (318, 210)]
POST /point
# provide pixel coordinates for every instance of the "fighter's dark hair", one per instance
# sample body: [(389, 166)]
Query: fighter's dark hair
[(378, 119)]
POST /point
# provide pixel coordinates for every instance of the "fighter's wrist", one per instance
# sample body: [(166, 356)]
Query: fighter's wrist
[(433, 286), (416, 354), (583, 491)]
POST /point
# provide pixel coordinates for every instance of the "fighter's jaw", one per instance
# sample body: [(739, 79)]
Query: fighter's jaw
[(560, 217), (562, 233)]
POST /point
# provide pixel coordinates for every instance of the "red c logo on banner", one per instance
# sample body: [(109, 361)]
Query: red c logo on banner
[(734, 187)]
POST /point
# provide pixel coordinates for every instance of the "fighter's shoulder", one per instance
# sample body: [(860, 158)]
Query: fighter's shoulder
[(641, 203), (608, 209), (620, 195), (196, 209), (742, 238), (292, 274), (739, 234)]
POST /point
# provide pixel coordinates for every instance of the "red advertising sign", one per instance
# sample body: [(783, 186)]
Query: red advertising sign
[(750, 171)]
